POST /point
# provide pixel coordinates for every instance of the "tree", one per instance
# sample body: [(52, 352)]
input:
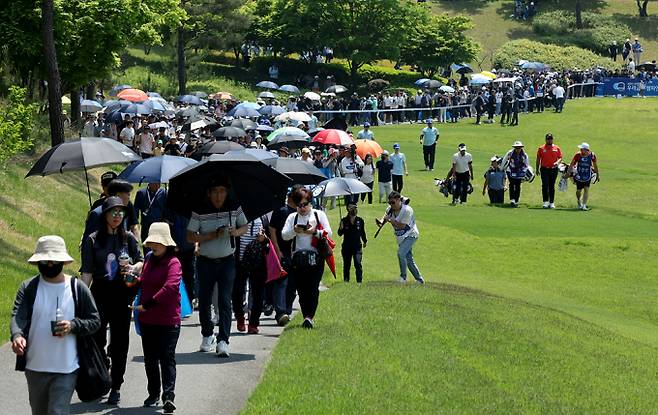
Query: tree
[(437, 43), (642, 7), (579, 14), (54, 82), (16, 122)]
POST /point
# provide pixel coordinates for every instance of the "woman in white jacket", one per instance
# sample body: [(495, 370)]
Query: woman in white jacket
[(304, 227)]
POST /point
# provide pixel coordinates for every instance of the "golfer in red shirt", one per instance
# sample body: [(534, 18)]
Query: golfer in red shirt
[(549, 157)]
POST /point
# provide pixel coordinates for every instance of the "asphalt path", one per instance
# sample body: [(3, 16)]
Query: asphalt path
[(205, 383)]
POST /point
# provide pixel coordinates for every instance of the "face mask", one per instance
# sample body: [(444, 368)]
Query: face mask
[(51, 271)]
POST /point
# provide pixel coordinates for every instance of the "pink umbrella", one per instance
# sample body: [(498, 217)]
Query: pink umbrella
[(133, 95), (330, 136)]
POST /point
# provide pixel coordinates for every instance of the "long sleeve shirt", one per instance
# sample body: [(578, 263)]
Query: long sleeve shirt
[(353, 233), (160, 281), (304, 241)]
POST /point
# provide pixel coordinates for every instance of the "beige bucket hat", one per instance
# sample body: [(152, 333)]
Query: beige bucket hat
[(159, 233), (50, 248)]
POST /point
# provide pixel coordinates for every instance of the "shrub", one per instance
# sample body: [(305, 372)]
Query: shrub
[(16, 124), (557, 57), (559, 27)]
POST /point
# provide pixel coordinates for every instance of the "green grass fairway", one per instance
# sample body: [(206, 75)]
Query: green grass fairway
[(529, 310)]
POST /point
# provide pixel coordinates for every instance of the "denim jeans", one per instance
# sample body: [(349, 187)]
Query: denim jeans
[(219, 271), (406, 259)]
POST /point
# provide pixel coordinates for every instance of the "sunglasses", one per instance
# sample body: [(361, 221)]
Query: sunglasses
[(303, 204), (392, 202), (118, 213)]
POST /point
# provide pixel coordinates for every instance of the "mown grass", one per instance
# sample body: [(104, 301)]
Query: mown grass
[(569, 316), (494, 24)]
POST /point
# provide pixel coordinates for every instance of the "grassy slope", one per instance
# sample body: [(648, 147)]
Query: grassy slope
[(493, 25), (30, 208), (572, 318)]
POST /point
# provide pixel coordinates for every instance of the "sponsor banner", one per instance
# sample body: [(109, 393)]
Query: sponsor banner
[(626, 87)]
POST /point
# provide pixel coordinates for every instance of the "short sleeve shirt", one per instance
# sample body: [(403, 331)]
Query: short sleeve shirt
[(384, 168), (461, 162), (430, 135), (406, 216), (209, 220), (277, 221), (366, 135), (398, 163), (495, 179), (548, 155)]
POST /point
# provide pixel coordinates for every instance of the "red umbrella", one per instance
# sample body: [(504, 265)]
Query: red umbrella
[(371, 147), (330, 136), (133, 95)]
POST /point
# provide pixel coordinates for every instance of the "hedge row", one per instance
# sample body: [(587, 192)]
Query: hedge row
[(598, 32), (557, 57)]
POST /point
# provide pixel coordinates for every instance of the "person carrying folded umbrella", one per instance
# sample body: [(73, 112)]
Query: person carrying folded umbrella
[(304, 227), (214, 227)]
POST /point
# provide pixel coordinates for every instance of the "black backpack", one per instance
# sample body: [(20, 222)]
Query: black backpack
[(253, 257)]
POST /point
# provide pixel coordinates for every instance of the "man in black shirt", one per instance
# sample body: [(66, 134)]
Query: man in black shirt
[(353, 230), (384, 178), (282, 291)]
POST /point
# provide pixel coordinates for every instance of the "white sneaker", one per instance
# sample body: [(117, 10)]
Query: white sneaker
[(222, 349), (207, 344), (402, 280), (420, 281), (552, 206), (584, 207), (545, 205)]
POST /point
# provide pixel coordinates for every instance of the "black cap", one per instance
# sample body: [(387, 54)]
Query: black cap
[(119, 186), (107, 177), (112, 202)]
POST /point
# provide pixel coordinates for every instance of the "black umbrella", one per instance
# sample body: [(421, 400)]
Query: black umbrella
[(198, 121), (337, 123), (300, 171), (219, 147), (82, 154), (244, 124), (229, 132), (336, 89), (431, 83), (647, 66), (254, 186)]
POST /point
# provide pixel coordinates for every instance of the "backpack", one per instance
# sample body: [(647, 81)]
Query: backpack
[(253, 257)]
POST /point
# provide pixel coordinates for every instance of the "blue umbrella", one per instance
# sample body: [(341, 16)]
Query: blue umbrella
[(421, 81), (267, 85), (289, 88), (189, 99), (534, 65), (88, 105), (271, 110), (115, 90), (138, 109), (155, 169), (246, 112), (114, 105), (114, 117), (461, 68), (244, 105), (266, 128), (154, 94), (155, 105)]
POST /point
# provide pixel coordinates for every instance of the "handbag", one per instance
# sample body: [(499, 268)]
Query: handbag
[(93, 376), (324, 244)]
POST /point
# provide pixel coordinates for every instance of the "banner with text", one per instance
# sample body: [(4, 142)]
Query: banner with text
[(626, 87)]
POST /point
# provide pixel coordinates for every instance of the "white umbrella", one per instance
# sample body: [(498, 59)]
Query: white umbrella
[(88, 105), (446, 88), (341, 186), (294, 116), (312, 96)]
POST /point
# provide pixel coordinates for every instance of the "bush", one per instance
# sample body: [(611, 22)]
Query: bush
[(557, 57), (559, 27), (16, 124)]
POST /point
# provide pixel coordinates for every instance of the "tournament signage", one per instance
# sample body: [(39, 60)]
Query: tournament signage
[(626, 87)]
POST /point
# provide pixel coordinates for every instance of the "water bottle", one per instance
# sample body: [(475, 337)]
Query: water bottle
[(59, 316), (124, 261)]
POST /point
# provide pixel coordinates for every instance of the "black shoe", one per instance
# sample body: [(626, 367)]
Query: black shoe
[(114, 398), (169, 407), (268, 309), (152, 400)]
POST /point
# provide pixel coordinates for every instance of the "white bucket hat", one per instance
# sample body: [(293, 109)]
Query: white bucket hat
[(50, 248), (584, 146), (159, 234), (517, 143)]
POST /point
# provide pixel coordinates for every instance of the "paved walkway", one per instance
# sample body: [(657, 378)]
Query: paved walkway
[(206, 384)]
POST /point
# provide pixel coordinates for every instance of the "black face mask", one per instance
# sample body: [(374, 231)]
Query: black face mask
[(51, 271)]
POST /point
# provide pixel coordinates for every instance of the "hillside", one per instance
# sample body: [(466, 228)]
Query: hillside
[(495, 26)]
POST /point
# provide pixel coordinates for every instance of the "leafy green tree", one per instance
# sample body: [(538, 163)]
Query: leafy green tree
[(16, 123), (437, 43)]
